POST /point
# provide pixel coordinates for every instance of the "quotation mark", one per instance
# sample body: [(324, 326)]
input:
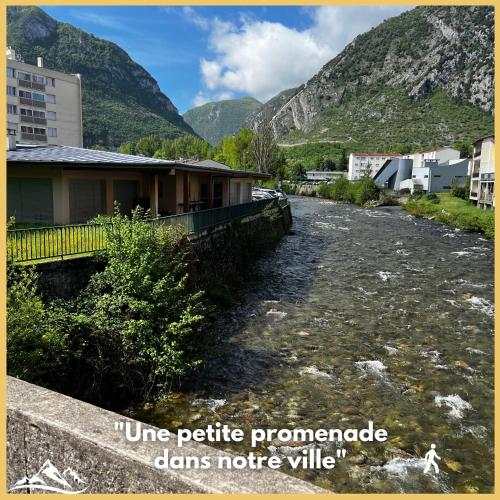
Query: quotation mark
[(119, 426), (341, 453)]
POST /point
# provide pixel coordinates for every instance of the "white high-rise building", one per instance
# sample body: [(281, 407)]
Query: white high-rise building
[(43, 106)]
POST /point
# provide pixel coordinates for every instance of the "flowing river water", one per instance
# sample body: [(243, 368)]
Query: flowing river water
[(360, 314)]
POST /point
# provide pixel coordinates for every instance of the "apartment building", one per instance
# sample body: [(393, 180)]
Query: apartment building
[(482, 185), (362, 163), (43, 106), (441, 155)]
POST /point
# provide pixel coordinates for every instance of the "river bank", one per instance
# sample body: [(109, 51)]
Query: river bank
[(360, 314), (454, 212)]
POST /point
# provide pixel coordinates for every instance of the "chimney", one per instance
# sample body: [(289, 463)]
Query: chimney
[(39, 62), (11, 142)]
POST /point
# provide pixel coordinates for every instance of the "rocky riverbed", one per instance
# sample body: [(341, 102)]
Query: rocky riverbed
[(360, 314)]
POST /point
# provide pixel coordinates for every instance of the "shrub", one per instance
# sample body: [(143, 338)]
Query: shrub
[(36, 340), (366, 190), (142, 320), (431, 198)]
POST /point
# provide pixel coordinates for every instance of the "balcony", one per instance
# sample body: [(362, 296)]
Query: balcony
[(33, 137), (473, 195), (33, 119), (475, 172), (486, 198), (31, 85), (31, 102)]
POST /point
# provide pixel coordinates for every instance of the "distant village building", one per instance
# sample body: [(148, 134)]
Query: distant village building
[(65, 185), (323, 176), (43, 106), (441, 154), (361, 164), (482, 185)]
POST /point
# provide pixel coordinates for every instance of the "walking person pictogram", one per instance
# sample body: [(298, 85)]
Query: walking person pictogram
[(429, 459)]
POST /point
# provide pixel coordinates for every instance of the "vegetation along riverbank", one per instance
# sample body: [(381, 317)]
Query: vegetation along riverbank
[(454, 211)]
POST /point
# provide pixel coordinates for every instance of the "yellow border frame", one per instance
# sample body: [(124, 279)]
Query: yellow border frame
[(3, 219)]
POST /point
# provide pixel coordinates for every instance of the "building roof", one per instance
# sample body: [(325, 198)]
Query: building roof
[(433, 149), (357, 153), (69, 154)]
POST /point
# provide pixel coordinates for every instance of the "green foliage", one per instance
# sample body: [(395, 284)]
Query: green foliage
[(185, 147), (127, 148), (36, 339), (359, 192), (296, 171), (142, 320), (454, 212), (147, 146), (215, 120), (460, 191), (431, 198), (134, 329)]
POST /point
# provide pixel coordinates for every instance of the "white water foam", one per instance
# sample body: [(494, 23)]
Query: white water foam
[(482, 305), (374, 367), (471, 350), (313, 370), (455, 403), (391, 350), (211, 404), (385, 275), (401, 466)]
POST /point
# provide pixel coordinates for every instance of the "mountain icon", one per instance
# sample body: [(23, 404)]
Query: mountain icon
[(49, 478)]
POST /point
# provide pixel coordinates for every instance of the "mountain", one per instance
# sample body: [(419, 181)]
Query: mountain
[(423, 78), (214, 120), (121, 100)]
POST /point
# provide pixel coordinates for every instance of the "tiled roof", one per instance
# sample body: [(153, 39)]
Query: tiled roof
[(68, 154), (375, 154)]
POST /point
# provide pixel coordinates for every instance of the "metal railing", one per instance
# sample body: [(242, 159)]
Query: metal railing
[(52, 242)]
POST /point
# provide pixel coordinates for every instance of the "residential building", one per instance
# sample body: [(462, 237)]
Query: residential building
[(323, 176), (361, 164), (62, 184), (441, 155), (43, 106), (482, 185)]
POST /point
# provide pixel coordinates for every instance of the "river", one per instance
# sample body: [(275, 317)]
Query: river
[(360, 314)]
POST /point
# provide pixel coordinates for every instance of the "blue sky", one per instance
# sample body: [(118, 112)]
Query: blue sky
[(200, 54)]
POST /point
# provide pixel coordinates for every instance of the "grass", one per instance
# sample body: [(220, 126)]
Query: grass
[(55, 242), (455, 212)]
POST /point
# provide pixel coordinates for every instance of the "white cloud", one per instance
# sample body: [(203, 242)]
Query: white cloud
[(194, 17), (262, 58), (103, 20), (204, 97)]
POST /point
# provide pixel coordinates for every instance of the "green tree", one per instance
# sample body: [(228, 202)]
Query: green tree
[(343, 162), (147, 146), (297, 172), (128, 148)]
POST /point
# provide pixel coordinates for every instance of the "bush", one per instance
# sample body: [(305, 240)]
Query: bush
[(366, 190), (36, 340), (431, 198), (141, 318)]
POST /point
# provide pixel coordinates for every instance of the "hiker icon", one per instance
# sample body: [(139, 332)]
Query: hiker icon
[(429, 459)]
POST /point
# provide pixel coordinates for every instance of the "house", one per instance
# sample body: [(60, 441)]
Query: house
[(434, 177), (43, 106), (362, 163), (67, 185), (323, 176), (441, 155), (482, 185)]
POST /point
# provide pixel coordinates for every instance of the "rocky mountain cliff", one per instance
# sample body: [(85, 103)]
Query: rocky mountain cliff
[(443, 54), (121, 100), (214, 120)]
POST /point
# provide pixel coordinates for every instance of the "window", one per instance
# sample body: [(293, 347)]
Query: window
[(51, 82), (39, 131), (26, 112), (38, 79), (38, 97), (39, 114), (436, 176), (12, 109), (446, 187), (23, 76), (11, 90), (426, 176), (26, 130), (51, 115), (52, 132), (11, 73), (25, 94), (12, 126), (51, 98), (414, 176)]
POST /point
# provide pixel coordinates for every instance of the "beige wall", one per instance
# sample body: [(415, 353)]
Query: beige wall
[(68, 105)]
